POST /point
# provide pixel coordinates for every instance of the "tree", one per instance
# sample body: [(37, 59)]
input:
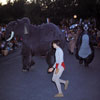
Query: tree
[(33, 11), (98, 13), (56, 10), (18, 9)]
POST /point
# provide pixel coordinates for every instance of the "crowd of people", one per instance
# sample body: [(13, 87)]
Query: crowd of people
[(73, 28), (7, 47)]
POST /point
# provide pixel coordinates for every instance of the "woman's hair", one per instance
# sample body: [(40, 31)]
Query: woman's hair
[(57, 42)]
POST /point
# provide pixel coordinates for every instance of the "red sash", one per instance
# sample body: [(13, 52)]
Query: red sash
[(62, 64)]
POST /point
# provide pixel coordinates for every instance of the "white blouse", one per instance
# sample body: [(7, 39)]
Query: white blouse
[(59, 56)]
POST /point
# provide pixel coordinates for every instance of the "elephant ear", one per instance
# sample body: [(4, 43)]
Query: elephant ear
[(12, 24)]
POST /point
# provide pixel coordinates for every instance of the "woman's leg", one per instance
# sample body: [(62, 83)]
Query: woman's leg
[(57, 80)]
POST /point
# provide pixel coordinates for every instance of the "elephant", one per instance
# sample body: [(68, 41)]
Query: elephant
[(36, 40)]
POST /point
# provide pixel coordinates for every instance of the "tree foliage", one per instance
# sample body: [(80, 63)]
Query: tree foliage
[(56, 10)]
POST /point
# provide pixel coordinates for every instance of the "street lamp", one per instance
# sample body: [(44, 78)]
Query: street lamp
[(75, 16)]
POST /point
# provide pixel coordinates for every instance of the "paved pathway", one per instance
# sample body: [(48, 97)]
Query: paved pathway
[(37, 85)]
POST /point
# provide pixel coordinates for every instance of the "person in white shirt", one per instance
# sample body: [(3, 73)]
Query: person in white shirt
[(58, 67)]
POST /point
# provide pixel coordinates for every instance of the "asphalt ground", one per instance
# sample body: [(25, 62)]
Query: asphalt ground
[(84, 83)]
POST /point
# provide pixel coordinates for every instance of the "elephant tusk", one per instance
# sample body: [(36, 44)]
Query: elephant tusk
[(25, 30), (12, 35)]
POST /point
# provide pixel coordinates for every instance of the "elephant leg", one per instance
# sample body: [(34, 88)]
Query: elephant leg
[(25, 65), (31, 61), (27, 58)]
